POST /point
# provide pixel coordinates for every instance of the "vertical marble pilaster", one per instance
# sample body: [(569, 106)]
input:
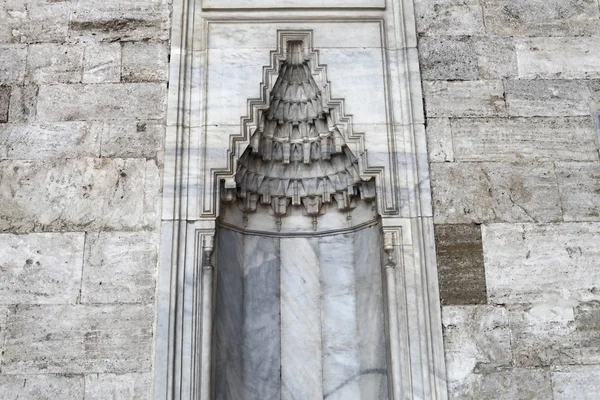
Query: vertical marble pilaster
[(229, 315), (369, 305), (341, 368), (301, 370), (261, 351)]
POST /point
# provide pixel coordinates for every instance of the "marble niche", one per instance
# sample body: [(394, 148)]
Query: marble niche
[(299, 310)]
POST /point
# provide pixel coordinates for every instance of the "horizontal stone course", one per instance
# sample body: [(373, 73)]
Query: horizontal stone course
[(102, 63), (579, 185), (464, 99), (54, 63), (145, 62), (42, 387), (41, 268), (122, 386), (12, 63), (78, 339), (576, 383), (449, 17)]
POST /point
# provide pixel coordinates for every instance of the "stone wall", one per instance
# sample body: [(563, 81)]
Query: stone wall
[(509, 87), (82, 108)]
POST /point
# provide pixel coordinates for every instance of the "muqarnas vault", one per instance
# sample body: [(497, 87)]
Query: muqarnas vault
[(299, 303)]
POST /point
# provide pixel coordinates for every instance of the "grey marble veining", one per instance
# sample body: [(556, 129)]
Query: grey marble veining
[(229, 315), (341, 364), (301, 370), (369, 306), (261, 350)]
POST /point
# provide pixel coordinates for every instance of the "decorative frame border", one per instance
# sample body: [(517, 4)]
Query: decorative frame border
[(413, 313)]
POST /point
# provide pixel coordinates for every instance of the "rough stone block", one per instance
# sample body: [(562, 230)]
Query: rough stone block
[(40, 268), (551, 334), (551, 98), (579, 185), (130, 139), (529, 263), (112, 386), (558, 58), (496, 57), (541, 17), (3, 316), (506, 384), (494, 192), (54, 63), (12, 63), (145, 62), (460, 264), (4, 103), (45, 140), (75, 195), (23, 103), (439, 140), (102, 63), (449, 17), (464, 99), (522, 139), (476, 339), (119, 267), (46, 21), (41, 387), (448, 58), (102, 101), (112, 20), (576, 383), (78, 339)]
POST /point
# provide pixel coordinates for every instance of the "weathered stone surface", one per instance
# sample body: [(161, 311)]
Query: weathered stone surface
[(54, 63), (41, 387), (464, 99), (439, 140), (130, 139), (101, 101), (102, 63), (78, 339), (460, 264), (550, 333), (3, 317), (576, 383), (541, 17), (111, 20), (119, 267), (448, 58), (41, 268), (579, 185), (44, 140), (449, 17), (558, 58), (112, 386), (145, 62), (529, 98), (476, 339), (23, 103), (76, 195), (529, 263), (4, 103), (507, 384), (496, 57), (12, 63), (43, 21), (494, 192), (519, 139)]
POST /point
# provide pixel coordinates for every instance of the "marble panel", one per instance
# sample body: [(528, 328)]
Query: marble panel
[(530, 263), (119, 267), (339, 318), (301, 356), (229, 314), (123, 386), (576, 383), (519, 139), (261, 350), (41, 268), (41, 387), (269, 4), (371, 336), (74, 339), (558, 58)]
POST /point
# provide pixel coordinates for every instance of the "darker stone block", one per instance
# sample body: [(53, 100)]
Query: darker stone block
[(460, 264), (448, 58), (4, 102)]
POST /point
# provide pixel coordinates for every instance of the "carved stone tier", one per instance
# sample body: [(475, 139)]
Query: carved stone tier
[(297, 155)]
